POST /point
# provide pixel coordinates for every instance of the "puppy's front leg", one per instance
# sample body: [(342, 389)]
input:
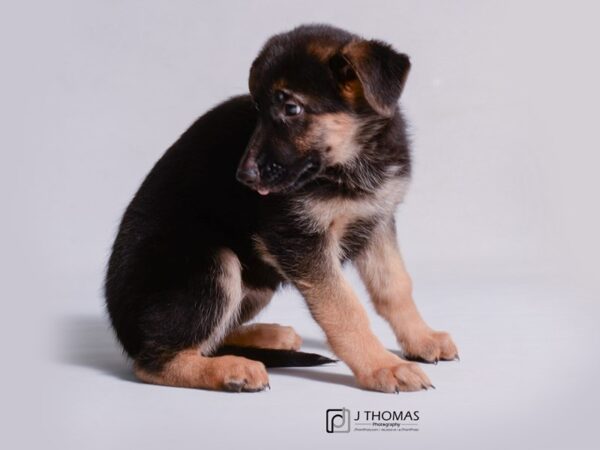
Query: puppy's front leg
[(390, 287), (338, 311)]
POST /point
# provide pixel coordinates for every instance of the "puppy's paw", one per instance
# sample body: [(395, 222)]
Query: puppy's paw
[(265, 335), (402, 376), (244, 375), (429, 346), (282, 337)]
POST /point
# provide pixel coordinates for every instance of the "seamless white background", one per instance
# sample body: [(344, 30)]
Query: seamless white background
[(499, 229)]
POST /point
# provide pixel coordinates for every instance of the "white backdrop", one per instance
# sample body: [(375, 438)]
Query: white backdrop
[(499, 228)]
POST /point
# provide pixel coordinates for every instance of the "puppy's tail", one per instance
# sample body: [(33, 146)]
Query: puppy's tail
[(275, 358)]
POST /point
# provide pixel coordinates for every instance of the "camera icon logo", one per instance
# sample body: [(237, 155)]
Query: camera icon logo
[(337, 420)]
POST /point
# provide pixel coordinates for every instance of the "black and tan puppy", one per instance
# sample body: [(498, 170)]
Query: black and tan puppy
[(280, 186)]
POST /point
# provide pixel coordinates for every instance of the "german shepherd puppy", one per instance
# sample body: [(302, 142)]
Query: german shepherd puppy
[(280, 186)]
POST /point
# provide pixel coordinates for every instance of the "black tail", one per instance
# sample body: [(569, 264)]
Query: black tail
[(275, 358)]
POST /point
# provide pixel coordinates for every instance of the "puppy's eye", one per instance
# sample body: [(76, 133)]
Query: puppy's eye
[(279, 96), (292, 109)]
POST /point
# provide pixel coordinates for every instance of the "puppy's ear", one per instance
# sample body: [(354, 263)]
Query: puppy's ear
[(372, 70)]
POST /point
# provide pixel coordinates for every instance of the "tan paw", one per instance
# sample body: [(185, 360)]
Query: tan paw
[(430, 346), (265, 335), (244, 375), (402, 376)]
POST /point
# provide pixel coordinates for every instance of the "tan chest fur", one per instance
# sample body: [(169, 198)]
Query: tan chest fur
[(333, 216)]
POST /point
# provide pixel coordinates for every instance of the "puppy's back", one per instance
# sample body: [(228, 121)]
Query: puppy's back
[(189, 205)]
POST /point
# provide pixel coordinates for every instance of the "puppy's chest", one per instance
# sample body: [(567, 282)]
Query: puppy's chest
[(348, 222)]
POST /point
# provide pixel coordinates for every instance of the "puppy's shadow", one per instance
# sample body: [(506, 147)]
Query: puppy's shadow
[(317, 344), (314, 374), (88, 341), (310, 344)]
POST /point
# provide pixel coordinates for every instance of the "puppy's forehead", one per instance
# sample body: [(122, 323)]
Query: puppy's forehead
[(297, 71), (299, 57)]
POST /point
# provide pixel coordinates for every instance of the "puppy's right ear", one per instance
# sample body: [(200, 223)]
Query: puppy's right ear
[(373, 71)]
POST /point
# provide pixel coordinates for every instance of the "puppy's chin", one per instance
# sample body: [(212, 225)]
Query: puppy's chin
[(297, 179)]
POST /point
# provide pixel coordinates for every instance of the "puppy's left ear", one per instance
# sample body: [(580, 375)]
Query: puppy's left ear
[(381, 73)]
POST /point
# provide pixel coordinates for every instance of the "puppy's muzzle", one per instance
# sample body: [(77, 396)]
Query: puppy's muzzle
[(248, 174)]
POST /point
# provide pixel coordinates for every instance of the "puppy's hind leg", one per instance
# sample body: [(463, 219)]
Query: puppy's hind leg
[(189, 324), (261, 335), (265, 335), (189, 368)]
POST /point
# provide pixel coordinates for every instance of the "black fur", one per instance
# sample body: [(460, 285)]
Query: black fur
[(161, 286)]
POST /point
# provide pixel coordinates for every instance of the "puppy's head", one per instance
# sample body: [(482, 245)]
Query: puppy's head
[(320, 92)]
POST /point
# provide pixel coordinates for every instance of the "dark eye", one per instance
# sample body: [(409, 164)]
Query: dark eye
[(292, 109)]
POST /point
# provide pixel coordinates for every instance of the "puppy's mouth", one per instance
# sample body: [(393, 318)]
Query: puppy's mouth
[(275, 178)]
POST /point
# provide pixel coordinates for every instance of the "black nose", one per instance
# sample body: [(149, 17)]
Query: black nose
[(248, 175)]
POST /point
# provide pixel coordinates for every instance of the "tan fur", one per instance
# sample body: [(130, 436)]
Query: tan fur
[(265, 335), (357, 50), (321, 50), (230, 281), (230, 278), (390, 287), (192, 370), (353, 93), (266, 256), (279, 85), (339, 313), (337, 213), (339, 133)]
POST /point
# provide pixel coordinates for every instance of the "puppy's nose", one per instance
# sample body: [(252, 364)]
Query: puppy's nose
[(248, 174)]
